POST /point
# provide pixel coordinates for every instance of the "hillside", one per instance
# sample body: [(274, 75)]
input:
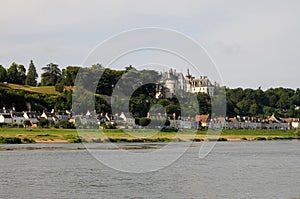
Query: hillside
[(40, 89), (42, 98)]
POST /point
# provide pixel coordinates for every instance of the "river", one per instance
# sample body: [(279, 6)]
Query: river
[(256, 169)]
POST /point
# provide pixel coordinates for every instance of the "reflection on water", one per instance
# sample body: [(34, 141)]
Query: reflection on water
[(232, 170)]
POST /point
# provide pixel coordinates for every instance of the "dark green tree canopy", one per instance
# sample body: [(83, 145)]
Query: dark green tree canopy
[(3, 74), (51, 75), (31, 75), (16, 74)]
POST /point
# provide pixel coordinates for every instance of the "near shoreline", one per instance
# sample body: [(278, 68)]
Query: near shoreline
[(51, 135)]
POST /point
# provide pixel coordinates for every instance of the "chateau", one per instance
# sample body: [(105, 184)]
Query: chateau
[(172, 81)]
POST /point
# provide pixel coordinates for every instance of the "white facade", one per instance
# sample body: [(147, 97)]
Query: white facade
[(172, 81), (6, 118)]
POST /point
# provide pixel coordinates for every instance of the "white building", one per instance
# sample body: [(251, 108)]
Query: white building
[(172, 81), (6, 118)]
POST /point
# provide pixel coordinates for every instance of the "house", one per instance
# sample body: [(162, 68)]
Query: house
[(18, 117), (32, 117), (6, 118)]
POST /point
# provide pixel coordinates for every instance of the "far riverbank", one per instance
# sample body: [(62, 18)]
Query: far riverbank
[(52, 135)]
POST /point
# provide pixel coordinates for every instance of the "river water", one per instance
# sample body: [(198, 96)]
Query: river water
[(262, 169)]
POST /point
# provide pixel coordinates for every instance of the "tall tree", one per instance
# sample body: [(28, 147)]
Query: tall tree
[(31, 75), (3, 74), (12, 73), (51, 75), (16, 74), (21, 74)]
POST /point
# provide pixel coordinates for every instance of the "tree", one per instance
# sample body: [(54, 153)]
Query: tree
[(16, 74), (21, 74), (253, 109), (51, 75), (3, 74), (12, 73), (31, 75)]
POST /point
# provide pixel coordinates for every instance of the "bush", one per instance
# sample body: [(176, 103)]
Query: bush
[(59, 87), (10, 140), (65, 125), (43, 123), (144, 121), (28, 140), (27, 123), (109, 125), (169, 129)]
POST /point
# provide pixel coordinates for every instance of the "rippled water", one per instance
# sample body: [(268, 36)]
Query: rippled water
[(232, 170)]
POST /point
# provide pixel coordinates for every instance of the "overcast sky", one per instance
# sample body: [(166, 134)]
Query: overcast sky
[(253, 43)]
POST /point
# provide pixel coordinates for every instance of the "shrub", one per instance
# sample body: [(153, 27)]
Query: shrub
[(27, 123), (28, 140), (109, 125), (43, 123), (169, 129), (144, 121), (65, 125), (10, 140)]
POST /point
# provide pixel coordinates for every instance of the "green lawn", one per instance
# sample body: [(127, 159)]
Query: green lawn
[(40, 89)]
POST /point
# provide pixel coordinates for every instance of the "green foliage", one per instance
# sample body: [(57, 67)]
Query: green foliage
[(10, 140), (16, 74), (31, 75), (43, 123), (169, 129), (3, 74), (59, 87), (153, 122), (109, 125), (250, 102), (28, 141), (51, 75), (65, 125), (144, 121)]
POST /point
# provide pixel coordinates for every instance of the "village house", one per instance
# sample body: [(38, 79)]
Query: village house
[(6, 118)]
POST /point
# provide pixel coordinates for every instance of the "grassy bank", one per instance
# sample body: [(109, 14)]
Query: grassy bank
[(23, 135)]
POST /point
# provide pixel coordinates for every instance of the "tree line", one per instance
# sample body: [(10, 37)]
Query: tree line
[(285, 102)]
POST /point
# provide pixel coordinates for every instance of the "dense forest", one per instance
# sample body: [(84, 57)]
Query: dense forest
[(285, 102)]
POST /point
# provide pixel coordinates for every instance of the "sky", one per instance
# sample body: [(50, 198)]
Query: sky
[(253, 43)]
